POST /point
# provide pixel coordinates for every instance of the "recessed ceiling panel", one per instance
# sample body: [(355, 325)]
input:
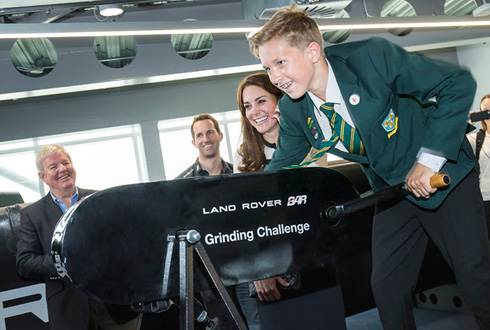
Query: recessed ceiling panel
[(34, 57), (115, 52), (192, 46), (459, 7), (318, 9), (398, 8), (337, 36)]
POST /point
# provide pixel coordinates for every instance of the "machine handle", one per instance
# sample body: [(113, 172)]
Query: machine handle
[(440, 181), (333, 214), (436, 181)]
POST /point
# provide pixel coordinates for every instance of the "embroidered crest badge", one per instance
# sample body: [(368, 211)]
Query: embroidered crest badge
[(390, 123)]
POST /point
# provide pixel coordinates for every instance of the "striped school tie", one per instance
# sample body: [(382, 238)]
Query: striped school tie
[(342, 131)]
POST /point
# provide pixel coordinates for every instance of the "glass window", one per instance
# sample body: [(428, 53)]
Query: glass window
[(178, 152), (223, 147), (177, 149), (105, 164), (86, 135), (235, 132), (102, 158), (21, 144), (18, 173)]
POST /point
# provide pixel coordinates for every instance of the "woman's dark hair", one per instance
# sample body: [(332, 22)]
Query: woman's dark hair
[(252, 148)]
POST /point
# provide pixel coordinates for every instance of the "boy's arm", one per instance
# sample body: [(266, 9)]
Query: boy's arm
[(424, 79), (293, 146), (472, 140)]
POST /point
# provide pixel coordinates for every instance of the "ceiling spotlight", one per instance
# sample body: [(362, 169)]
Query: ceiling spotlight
[(111, 10), (483, 10)]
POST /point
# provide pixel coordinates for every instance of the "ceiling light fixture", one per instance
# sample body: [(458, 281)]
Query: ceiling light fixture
[(110, 10), (65, 30)]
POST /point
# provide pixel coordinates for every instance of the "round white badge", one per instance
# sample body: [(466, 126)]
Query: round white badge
[(354, 99)]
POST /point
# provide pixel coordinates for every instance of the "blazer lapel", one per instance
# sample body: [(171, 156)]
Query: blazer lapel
[(53, 211), (350, 89), (51, 214), (314, 130)]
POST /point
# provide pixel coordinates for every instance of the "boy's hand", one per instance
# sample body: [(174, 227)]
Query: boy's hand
[(418, 181), (267, 289)]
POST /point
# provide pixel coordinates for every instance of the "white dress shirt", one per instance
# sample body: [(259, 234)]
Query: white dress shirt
[(334, 96)]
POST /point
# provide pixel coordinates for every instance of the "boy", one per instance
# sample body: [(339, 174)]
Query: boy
[(406, 119)]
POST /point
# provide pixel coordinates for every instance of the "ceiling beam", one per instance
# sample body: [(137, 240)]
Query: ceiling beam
[(8, 4), (64, 30)]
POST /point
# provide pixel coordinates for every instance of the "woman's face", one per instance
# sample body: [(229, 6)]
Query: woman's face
[(484, 106), (259, 107)]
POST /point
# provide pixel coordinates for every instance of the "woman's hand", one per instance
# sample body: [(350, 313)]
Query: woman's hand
[(267, 289)]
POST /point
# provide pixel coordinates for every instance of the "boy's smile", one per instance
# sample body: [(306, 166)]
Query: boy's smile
[(289, 68)]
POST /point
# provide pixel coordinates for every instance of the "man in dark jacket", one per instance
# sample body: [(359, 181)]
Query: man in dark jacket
[(206, 137), (68, 308)]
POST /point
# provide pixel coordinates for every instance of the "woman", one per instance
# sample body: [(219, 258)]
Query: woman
[(480, 143), (257, 100)]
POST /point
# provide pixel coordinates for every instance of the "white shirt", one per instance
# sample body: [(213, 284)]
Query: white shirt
[(333, 94), (484, 164), (237, 159)]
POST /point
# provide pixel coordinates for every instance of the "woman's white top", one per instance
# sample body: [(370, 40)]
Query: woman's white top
[(484, 164), (237, 159)]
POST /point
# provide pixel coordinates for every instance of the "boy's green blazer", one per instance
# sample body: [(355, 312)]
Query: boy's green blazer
[(430, 101)]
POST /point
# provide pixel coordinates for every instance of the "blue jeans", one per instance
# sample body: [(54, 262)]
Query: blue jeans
[(248, 306)]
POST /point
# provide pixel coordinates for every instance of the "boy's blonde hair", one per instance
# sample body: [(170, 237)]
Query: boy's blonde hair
[(291, 24)]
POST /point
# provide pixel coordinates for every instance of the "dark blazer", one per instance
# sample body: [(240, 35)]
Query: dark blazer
[(67, 307), (386, 77)]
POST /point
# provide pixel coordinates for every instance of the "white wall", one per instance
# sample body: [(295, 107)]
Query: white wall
[(476, 58)]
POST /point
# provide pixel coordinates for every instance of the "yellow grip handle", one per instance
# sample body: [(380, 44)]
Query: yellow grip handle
[(440, 180)]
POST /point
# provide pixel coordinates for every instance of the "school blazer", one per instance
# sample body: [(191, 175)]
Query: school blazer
[(429, 100)]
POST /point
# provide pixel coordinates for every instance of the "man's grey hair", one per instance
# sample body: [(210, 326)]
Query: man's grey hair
[(46, 151)]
